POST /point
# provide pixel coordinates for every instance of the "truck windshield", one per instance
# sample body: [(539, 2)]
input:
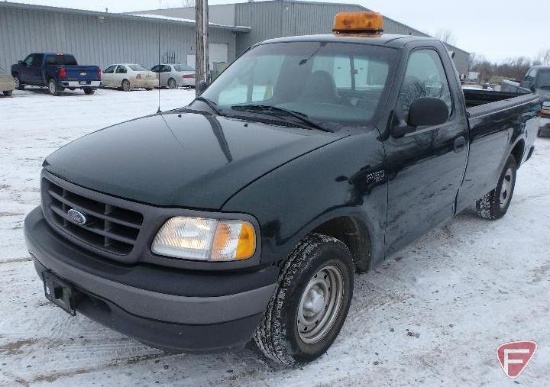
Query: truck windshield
[(543, 79), (336, 83)]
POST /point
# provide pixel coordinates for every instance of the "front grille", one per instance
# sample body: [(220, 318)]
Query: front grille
[(108, 227)]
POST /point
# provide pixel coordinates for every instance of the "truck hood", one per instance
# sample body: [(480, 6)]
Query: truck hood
[(186, 159)]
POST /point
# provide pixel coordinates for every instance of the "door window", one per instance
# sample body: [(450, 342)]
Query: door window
[(110, 70), (424, 77), (121, 70), (28, 60), (37, 60)]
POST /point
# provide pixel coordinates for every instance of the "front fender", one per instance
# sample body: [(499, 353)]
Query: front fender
[(330, 182)]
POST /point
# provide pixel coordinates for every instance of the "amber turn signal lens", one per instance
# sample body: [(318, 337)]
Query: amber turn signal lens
[(367, 21)]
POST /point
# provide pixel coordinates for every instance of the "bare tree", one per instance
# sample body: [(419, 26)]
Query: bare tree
[(445, 36), (544, 57)]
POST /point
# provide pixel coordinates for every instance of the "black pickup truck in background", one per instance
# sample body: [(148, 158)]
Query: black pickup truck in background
[(245, 214), (56, 72)]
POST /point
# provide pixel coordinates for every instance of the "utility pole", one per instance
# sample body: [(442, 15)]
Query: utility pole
[(201, 42)]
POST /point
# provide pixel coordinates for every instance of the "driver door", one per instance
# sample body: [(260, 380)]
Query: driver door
[(425, 168)]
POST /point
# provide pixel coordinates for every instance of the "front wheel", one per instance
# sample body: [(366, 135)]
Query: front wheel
[(495, 204), (52, 87), (311, 302), (7, 93), (18, 84)]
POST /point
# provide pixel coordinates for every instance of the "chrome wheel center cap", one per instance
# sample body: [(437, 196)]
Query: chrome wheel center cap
[(315, 302)]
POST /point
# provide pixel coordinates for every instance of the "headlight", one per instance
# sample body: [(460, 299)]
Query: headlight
[(205, 239)]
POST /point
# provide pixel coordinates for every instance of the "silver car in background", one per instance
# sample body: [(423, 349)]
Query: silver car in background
[(7, 84), (128, 76), (175, 75)]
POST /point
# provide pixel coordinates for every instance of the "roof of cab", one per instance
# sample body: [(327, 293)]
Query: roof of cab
[(389, 40)]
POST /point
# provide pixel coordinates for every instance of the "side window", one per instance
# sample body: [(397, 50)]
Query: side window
[(28, 59), (531, 75), (166, 69), (424, 77), (121, 70), (156, 69), (37, 60), (110, 69)]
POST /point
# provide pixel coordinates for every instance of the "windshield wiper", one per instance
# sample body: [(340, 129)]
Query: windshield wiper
[(275, 109), (211, 104)]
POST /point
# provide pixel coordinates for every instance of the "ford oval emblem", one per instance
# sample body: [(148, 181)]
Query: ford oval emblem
[(77, 217)]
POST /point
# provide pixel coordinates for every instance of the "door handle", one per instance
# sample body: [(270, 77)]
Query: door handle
[(459, 144)]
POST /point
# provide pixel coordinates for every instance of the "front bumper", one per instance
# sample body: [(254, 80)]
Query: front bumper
[(175, 322)]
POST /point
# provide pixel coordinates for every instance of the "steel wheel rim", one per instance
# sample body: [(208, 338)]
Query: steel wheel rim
[(52, 87), (320, 304), (126, 85), (506, 188), (171, 84)]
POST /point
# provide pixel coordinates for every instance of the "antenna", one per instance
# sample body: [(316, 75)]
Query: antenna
[(158, 74)]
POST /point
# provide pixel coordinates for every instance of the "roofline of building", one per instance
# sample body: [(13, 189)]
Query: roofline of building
[(420, 33), (123, 16)]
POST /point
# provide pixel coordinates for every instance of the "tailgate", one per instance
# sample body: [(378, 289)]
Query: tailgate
[(82, 73)]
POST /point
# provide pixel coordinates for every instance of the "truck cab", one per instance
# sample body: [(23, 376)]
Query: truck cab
[(244, 215)]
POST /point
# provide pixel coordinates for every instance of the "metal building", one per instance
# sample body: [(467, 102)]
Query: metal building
[(277, 18), (103, 38)]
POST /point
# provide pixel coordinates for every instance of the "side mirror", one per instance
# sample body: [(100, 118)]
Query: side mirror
[(201, 87), (424, 111), (428, 111)]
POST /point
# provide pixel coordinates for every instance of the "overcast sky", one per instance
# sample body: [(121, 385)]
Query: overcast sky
[(486, 27)]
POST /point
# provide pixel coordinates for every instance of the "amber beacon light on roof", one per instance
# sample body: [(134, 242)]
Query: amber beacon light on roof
[(358, 22)]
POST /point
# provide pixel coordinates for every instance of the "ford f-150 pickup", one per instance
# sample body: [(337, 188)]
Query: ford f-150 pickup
[(244, 215), (57, 72)]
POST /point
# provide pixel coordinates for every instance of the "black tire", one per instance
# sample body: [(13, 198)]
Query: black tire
[(18, 84), (320, 265), (125, 85), (148, 88), (7, 93), (52, 87), (539, 133), (495, 204), (88, 91), (172, 83)]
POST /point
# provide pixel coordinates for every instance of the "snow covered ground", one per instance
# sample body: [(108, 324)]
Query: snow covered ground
[(433, 314)]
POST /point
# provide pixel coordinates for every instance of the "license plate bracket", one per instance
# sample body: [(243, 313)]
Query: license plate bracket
[(59, 292)]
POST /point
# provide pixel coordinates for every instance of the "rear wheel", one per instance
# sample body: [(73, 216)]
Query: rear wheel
[(88, 91), (52, 87), (18, 84), (7, 93), (311, 302), (125, 85), (172, 83), (495, 204)]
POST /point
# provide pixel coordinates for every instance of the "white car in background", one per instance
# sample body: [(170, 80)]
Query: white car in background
[(7, 84), (175, 75), (128, 76)]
